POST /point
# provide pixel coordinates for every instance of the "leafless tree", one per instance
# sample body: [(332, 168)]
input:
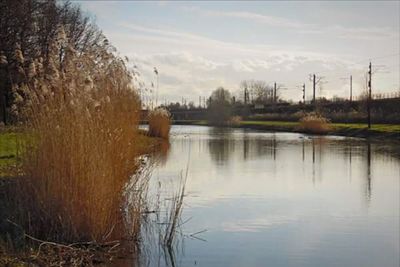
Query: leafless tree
[(30, 25), (257, 91)]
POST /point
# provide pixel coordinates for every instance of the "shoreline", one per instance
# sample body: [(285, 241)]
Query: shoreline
[(378, 131)]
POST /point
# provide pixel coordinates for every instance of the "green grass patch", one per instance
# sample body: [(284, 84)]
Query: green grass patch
[(8, 149), (271, 123), (384, 128), (387, 128)]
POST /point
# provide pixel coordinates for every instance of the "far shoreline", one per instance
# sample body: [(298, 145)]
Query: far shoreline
[(378, 132)]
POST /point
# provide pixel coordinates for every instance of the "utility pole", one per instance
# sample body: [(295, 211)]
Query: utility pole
[(274, 92), (369, 94), (351, 88), (304, 93), (314, 83), (315, 80)]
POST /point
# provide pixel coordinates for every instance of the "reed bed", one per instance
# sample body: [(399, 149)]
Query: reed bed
[(81, 116), (159, 123), (234, 121), (314, 123)]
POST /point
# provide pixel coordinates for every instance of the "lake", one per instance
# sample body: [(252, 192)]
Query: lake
[(282, 199)]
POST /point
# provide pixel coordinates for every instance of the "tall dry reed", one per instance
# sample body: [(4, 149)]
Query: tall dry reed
[(159, 123), (314, 123), (81, 115)]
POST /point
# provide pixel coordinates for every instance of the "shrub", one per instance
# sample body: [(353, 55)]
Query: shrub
[(235, 121), (314, 123), (219, 107), (159, 123)]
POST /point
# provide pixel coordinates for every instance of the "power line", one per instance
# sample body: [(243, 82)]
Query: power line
[(360, 61)]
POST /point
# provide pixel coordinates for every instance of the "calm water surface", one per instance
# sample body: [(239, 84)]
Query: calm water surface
[(284, 199)]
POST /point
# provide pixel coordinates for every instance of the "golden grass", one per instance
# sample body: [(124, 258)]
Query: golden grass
[(81, 115), (159, 123), (75, 169), (235, 121), (314, 123)]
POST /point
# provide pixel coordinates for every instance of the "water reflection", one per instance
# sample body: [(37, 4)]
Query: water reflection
[(286, 199), (368, 175), (161, 153), (222, 145), (225, 143)]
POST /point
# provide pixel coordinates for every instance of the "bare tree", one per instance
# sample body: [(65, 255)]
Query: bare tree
[(257, 91), (30, 25)]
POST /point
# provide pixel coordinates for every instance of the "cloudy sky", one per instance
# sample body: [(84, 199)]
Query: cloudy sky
[(198, 46)]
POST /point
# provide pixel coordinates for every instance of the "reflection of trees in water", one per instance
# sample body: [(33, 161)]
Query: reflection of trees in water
[(348, 158), (257, 148), (313, 161), (220, 132), (363, 150), (315, 150), (221, 149), (368, 184), (221, 144), (268, 147), (317, 144), (224, 144), (246, 146)]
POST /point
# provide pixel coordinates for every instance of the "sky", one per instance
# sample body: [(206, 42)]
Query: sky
[(199, 46)]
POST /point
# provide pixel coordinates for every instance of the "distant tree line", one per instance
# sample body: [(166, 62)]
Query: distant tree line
[(27, 28), (257, 92)]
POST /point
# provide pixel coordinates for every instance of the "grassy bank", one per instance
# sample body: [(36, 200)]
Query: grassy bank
[(9, 138), (8, 150), (391, 131)]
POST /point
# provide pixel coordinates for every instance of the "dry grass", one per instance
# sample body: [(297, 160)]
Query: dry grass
[(174, 213), (81, 114), (235, 121), (314, 123), (159, 123)]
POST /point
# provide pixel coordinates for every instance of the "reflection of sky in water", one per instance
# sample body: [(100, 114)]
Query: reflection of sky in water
[(283, 199)]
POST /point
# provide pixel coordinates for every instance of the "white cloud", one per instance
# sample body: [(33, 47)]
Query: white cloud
[(370, 33), (367, 33), (193, 64), (183, 74), (264, 19), (173, 40), (241, 66)]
